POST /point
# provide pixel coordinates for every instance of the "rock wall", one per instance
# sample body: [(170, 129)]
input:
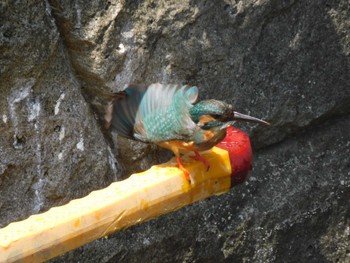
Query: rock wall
[(52, 149), (284, 61)]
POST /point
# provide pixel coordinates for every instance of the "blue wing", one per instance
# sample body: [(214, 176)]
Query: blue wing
[(155, 113), (124, 111)]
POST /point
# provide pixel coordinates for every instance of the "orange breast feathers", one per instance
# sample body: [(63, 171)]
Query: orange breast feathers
[(178, 147), (208, 135), (204, 119)]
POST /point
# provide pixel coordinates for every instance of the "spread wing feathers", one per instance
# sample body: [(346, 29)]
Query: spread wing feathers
[(155, 113), (124, 110)]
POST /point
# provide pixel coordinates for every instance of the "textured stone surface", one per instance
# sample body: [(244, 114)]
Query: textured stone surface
[(51, 148), (284, 61)]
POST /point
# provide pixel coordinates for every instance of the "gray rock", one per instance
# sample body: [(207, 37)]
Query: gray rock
[(51, 147), (284, 61)]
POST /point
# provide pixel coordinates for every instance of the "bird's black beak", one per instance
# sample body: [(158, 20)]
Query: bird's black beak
[(242, 117)]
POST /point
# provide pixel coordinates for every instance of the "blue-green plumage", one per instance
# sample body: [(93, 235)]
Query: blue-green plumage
[(211, 107), (167, 115), (155, 113)]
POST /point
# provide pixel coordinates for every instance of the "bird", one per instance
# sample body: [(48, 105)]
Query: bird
[(169, 116)]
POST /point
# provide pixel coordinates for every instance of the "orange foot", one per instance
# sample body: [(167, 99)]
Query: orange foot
[(199, 157), (182, 168)]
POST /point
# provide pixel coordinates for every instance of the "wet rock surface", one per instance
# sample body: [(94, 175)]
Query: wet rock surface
[(283, 61)]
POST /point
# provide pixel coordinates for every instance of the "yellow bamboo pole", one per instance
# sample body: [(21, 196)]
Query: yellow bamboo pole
[(159, 190)]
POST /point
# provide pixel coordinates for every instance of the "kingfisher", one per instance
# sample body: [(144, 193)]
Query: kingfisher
[(170, 117)]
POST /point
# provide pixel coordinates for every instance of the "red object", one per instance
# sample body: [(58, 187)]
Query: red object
[(237, 143)]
